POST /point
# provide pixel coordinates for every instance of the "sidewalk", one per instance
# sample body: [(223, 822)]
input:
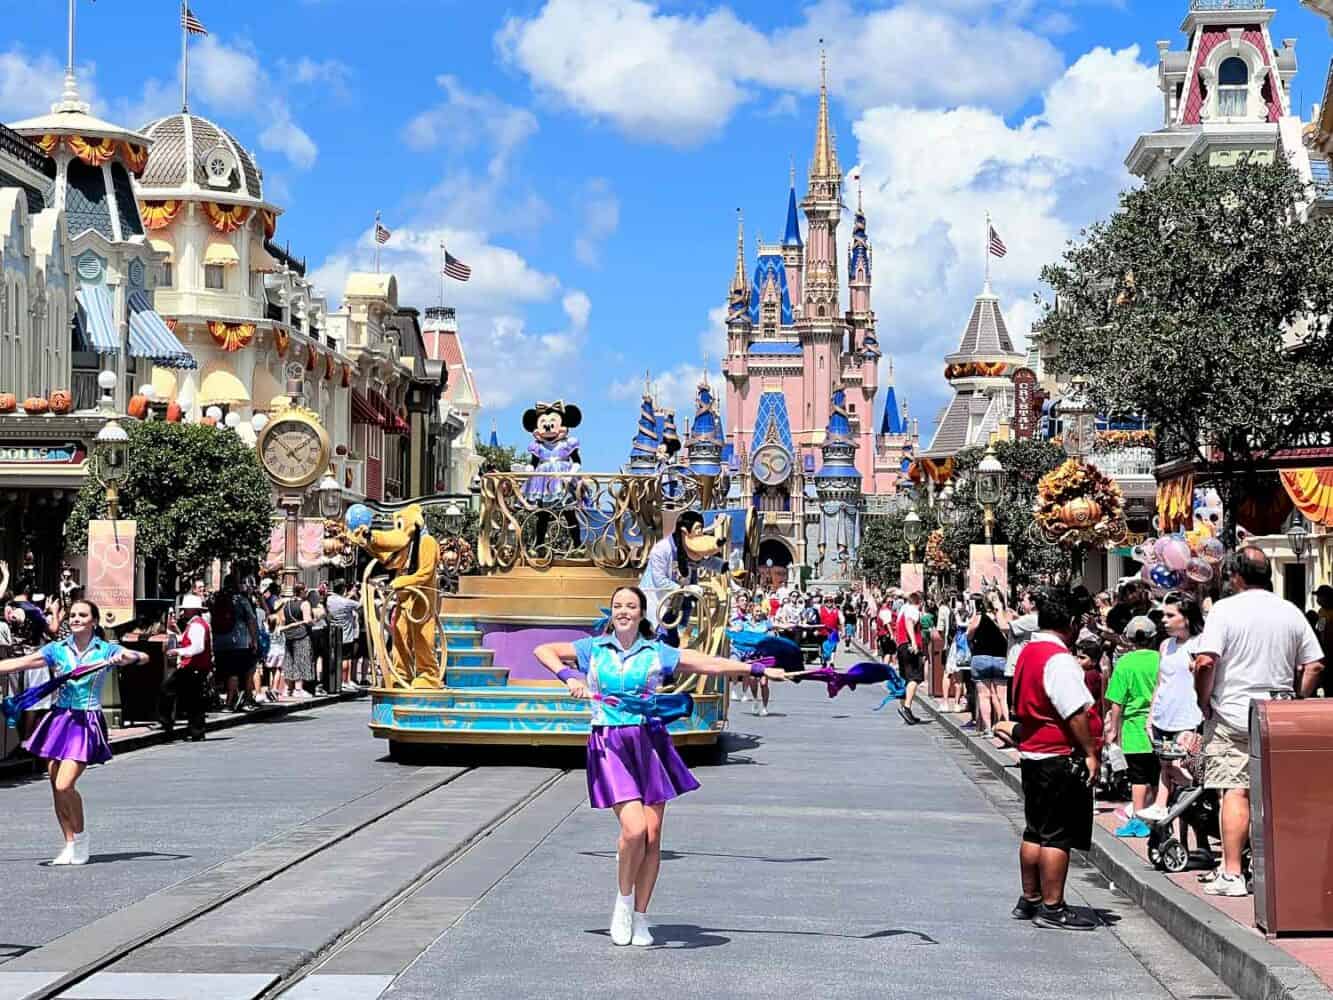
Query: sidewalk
[(128, 738), (1220, 931)]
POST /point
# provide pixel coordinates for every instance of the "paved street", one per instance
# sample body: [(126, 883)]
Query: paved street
[(837, 853)]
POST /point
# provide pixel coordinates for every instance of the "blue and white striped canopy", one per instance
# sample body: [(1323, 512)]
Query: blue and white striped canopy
[(97, 319), (150, 338)]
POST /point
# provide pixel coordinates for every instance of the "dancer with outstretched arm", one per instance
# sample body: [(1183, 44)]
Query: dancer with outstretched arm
[(633, 768), (73, 734)]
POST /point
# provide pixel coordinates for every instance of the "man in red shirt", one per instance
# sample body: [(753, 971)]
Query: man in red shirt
[(907, 639), (1059, 763)]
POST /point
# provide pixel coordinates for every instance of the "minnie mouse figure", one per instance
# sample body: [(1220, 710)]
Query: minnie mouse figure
[(553, 450)]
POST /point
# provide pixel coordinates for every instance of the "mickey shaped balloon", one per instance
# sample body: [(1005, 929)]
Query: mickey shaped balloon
[(1163, 577)]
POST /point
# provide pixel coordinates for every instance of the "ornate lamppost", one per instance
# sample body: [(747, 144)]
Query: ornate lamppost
[(1079, 420), (111, 446), (990, 488), (1298, 537), (913, 531)]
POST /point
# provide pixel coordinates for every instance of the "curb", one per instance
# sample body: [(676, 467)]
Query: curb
[(30, 766), (1242, 959)]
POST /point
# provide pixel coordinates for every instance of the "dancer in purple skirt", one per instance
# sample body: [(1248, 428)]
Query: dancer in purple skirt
[(73, 734), (633, 767)]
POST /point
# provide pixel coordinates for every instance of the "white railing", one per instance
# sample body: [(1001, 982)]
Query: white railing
[(1125, 461)]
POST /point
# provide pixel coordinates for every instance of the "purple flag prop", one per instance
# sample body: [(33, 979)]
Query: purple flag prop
[(865, 672), (747, 646)]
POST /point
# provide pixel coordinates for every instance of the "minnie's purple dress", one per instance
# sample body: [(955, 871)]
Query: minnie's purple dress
[(559, 457)]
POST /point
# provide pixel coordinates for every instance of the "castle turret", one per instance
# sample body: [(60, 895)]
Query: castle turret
[(858, 263), (734, 365), (823, 209), (643, 449), (793, 247)]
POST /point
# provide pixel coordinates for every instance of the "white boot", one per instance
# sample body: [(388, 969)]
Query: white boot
[(643, 936), (622, 920), (65, 855), (81, 849)]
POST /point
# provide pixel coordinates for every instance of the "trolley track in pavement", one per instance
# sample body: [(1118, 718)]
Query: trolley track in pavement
[(412, 802)]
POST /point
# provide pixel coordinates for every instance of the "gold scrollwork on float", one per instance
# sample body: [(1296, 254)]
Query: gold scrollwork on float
[(609, 521)]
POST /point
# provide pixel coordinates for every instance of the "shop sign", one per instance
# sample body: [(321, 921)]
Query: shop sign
[(1027, 406), (111, 570), (67, 453)]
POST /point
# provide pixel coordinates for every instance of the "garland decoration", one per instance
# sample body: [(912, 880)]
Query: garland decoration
[(94, 152), (936, 556), (159, 214), (48, 143), (347, 376), (328, 368), (135, 156), (270, 218), (1078, 505), (231, 336), (281, 340), (226, 218), (309, 358)]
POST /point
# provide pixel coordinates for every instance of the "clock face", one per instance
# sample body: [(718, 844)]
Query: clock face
[(293, 452), (771, 464)]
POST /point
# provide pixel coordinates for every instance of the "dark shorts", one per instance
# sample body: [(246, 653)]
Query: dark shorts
[(909, 665), (1057, 804), (233, 662), (1144, 768)]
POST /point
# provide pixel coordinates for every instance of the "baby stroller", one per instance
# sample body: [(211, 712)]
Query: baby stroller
[(1190, 810)]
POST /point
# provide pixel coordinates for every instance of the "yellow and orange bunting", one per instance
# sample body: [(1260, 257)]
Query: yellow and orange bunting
[(347, 376), (282, 340), (226, 218), (231, 336), (328, 367), (48, 143), (171, 322), (270, 218), (1311, 491), (159, 214), (136, 157), (95, 152), (309, 358)]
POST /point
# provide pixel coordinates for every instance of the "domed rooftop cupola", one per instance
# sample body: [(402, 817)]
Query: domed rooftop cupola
[(193, 157)]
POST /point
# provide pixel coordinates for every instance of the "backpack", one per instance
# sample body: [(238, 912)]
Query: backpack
[(222, 612)]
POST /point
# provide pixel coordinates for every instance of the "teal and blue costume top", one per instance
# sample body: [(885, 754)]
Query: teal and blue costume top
[(612, 671), (83, 693)]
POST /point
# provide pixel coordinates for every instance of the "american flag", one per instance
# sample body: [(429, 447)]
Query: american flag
[(382, 234), (997, 247), (455, 268), (191, 23)]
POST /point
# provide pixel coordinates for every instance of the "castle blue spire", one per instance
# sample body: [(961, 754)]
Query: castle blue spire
[(643, 449), (838, 474), (894, 421), (792, 238), (705, 444), (494, 441)]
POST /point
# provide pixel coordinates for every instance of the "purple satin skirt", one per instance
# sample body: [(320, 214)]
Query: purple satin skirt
[(635, 762), (70, 734)]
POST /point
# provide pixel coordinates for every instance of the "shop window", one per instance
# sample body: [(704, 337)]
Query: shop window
[(1233, 88), (215, 277), (168, 277)]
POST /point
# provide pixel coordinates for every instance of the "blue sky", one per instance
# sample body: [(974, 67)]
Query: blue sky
[(586, 157)]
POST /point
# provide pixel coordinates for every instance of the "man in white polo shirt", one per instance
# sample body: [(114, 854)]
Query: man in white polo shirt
[(1252, 646)]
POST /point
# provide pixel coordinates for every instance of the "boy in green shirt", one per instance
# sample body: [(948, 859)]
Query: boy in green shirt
[(1133, 682)]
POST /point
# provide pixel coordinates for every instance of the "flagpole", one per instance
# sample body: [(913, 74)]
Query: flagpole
[(441, 273), (987, 253), (185, 63), (69, 61), (376, 236)]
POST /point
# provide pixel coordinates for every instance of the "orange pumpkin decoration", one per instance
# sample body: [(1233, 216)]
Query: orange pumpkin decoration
[(174, 413), (1080, 513), (138, 407), (61, 401), (8, 402), (35, 405), (209, 421)]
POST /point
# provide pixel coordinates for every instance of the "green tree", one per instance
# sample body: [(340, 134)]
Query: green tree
[(1202, 304), (1032, 559), (498, 458), (197, 492)]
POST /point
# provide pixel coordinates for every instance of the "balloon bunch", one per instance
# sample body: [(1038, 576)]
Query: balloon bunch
[(1180, 560)]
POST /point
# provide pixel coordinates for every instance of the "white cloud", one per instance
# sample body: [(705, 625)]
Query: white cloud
[(286, 137), (931, 176), (673, 389), (577, 307), (332, 75), (465, 119), (677, 78), (29, 85), (599, 217)]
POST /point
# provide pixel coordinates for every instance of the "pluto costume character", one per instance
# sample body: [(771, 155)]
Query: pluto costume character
[(408, 550)]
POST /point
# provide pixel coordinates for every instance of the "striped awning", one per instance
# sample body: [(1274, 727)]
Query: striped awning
[(150, 338), (97, 319)]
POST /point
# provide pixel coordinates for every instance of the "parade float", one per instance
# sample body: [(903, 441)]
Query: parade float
[(553, 543)]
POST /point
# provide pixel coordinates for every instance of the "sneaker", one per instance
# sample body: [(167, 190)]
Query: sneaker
[(907, 716), (622, 922), (1227, 885), (745, 696), (968, 727), (66, 854), (1134, 828), (319, 691), (642, 936), (79, 856), (1025, 909), (1062, 918), (763, 712), (1152, 815), (351, 686)]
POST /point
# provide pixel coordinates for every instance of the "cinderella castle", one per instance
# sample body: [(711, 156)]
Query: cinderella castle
[(803, 437)]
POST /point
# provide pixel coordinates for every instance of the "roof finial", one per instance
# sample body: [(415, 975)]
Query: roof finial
[(859, 209), (825, 163), (793, 172), (738, 279), (69, 96), (648, 382)]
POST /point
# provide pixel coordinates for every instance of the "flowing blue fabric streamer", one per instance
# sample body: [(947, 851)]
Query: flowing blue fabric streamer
[(15, 705), (662, 708), (747, 646)]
